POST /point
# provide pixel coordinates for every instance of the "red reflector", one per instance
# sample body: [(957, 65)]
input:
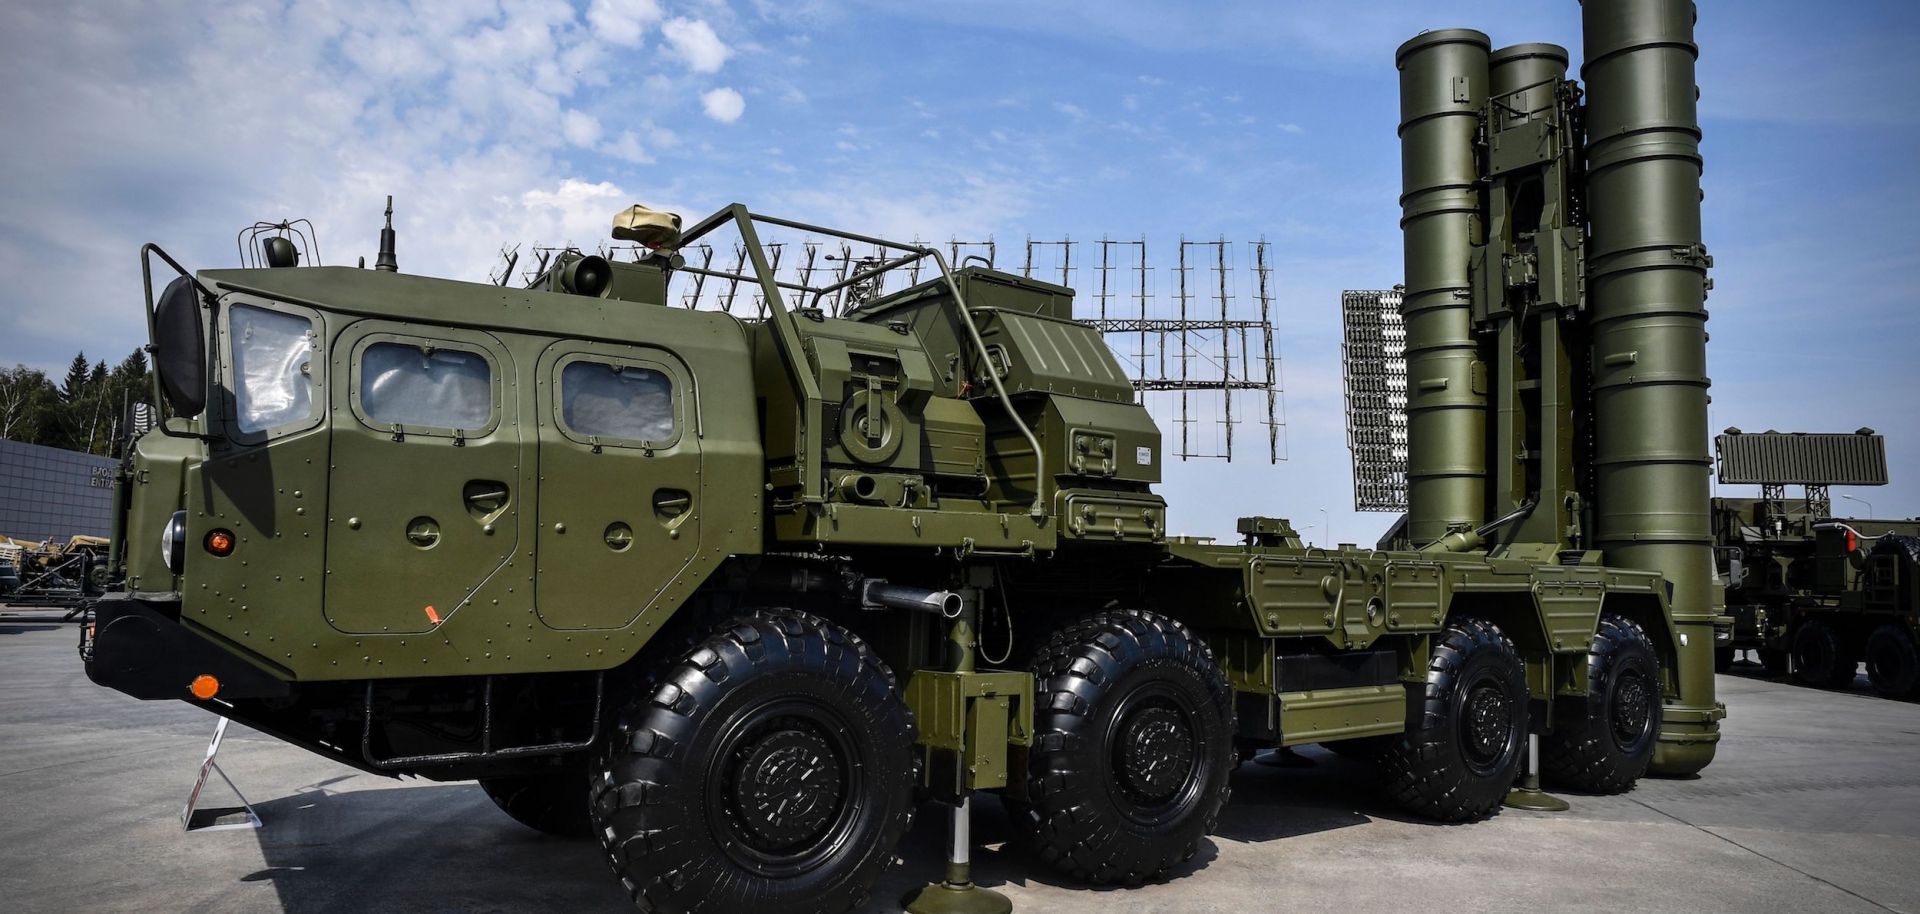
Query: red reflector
[(432, 616), (1853, 542), (220, 543)]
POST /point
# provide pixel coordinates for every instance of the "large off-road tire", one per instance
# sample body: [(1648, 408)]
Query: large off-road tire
[(1604, 744), (1133, 744), (1893, 662), (771, 768), (553, 801), (1458, 764), (1822, 658)]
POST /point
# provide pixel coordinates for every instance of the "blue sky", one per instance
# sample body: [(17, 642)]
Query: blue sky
[(504, 122)]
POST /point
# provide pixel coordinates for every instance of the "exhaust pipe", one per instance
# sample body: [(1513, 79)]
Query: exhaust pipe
[(1647, 282), (878, 594)]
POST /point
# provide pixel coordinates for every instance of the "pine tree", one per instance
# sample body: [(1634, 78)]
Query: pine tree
[(134, 366), (76, 384)]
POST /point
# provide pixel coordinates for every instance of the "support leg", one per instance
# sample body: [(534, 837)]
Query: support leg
[(1528, 794), (957, 894)]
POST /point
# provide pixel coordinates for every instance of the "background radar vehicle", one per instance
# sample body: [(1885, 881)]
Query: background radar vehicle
[(1813, 594), (733, 596)]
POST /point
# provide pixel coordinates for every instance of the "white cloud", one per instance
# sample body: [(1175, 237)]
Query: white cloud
[(627, 149), (1071, 110), (623, 22), (694, 41), (580, 128), (1294, 129), (458, 114), (723, 105), (576, 212)]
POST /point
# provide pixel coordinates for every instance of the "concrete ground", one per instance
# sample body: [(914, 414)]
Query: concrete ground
[(1813, 805)]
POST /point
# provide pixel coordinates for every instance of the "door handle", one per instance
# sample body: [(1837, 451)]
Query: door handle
[(485, 498), (671, 503)]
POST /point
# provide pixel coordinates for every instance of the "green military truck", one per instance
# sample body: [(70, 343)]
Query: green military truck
[(1812, 595), (735, 596)]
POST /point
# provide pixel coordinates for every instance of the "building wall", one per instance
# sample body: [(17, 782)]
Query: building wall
[(50, 493)]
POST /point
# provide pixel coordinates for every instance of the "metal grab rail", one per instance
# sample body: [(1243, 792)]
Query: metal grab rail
[(787, 334)]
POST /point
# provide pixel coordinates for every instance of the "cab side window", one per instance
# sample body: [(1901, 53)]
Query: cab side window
[(620, 402), (272, 370), (425, 386)]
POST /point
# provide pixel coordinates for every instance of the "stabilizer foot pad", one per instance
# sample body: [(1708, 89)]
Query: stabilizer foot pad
[(948, 898), (1534, 799)]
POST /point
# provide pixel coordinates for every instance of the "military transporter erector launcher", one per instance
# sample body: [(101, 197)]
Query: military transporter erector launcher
[(713, 589), (1813, 594)]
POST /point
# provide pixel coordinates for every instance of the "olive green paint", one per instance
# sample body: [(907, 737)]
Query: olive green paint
[(1646, 281), (967, 432), (1443, 89)]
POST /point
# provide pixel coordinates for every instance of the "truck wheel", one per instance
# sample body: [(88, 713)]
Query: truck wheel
[(1604, 744), (1133, 743), (771, 768), (1459, 763), (1893, 664), (1821, 657), (554, 802)]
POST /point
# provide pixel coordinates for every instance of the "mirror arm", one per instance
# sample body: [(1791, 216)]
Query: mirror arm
[(153, 330)]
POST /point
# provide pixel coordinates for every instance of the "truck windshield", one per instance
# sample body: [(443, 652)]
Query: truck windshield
[(273, 384)]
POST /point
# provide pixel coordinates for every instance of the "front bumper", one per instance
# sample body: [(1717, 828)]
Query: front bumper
[(133, 648)]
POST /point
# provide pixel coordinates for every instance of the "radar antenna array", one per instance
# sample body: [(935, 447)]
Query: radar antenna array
[(1203, 359)]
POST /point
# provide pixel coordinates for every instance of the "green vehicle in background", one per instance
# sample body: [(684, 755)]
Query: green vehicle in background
[(1811, 594), (735, 596)]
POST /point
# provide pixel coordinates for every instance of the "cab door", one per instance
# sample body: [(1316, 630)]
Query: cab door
[(423, 510), (619, 466)]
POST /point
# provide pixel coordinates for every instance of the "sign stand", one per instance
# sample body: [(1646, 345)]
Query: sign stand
[(218, 818)]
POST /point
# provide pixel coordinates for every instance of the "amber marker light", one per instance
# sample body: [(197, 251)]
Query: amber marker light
[(204, 687), (220, 543)]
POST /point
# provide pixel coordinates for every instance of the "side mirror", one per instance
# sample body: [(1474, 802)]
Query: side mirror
[(180, 342)]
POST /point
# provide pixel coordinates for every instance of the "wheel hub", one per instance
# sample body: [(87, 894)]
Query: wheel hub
[(1156, 752), (1632, 708), (786, 787), (1487, 721)]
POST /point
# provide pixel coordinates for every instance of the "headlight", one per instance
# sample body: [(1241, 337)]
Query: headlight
[(173, 543)]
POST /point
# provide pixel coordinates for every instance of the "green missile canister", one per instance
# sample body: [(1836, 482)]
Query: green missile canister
[(1525, 79), (1443, 87), (1646, 289)]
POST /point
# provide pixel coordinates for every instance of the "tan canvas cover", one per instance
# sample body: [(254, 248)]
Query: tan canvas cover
[(652, 228)]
